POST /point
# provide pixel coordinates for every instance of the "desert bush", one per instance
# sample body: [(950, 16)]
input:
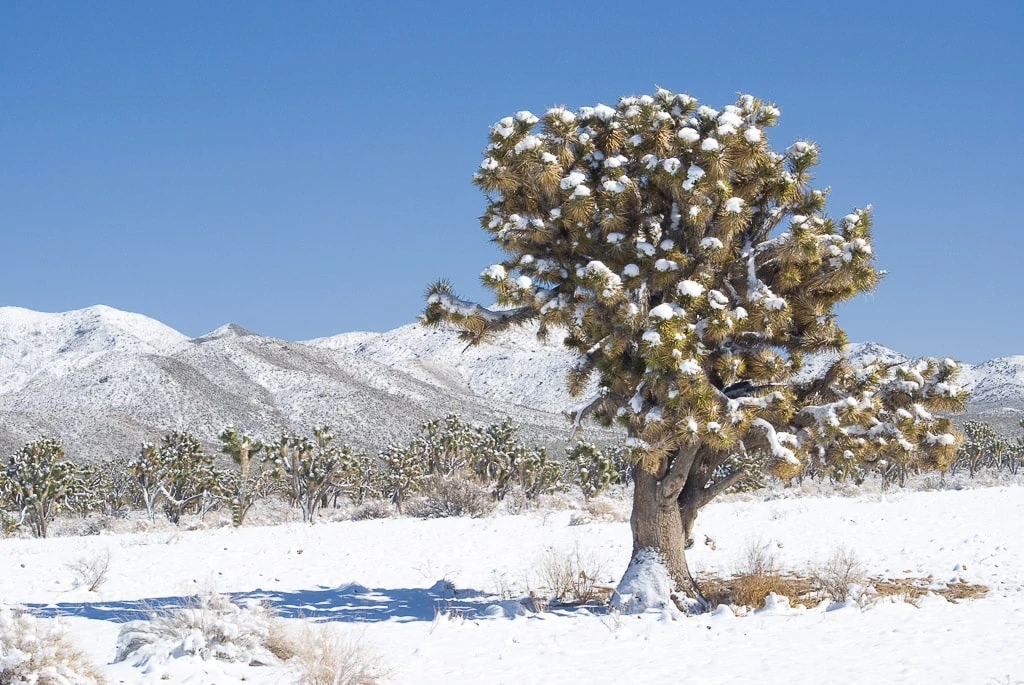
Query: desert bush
[(91, 571), (451, 495), (835, 576), (608, 509), (372, 509), (572, 577), (757, 575), (325, 657), (38, 651), (211, 627), (516, 502)]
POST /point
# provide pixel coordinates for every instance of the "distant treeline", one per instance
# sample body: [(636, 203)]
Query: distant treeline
[(451, 467)]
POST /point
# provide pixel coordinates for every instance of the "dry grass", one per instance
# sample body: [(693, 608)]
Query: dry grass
[(230, 632), (759, 574), (912, 589), (607, 510), (573, 577), (91, 572), (280, 641), (325, 657), (836, 576), (750, 591), (52, 659)]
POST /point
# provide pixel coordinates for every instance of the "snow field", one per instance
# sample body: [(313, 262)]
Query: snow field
[(973, 535)]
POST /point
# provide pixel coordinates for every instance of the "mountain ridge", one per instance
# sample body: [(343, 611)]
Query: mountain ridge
[(106, 380)]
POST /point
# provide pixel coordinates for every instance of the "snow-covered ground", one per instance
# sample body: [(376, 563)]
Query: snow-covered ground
[(378, 580)]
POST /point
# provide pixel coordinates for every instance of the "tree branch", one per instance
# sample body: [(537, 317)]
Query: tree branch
[(721, 486), (581, 412), (674, 481)]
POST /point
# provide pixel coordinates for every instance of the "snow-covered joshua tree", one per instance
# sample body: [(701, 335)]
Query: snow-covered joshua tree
[(691, 267)]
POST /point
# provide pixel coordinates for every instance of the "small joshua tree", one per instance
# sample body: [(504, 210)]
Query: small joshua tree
[(403, 473), (178, 474), (502, 461), (596, 469), (37, 483), (983, 448), (691, 268), (311, 469), (252, 480)]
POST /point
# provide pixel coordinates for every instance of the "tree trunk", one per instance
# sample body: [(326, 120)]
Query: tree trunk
[(659, 535)]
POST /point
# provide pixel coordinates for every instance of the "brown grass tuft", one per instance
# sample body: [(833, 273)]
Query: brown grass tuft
[(325, 657), (913, 589), (758, 574), (573, 577)]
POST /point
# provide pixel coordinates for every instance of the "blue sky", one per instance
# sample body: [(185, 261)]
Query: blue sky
[(304, 169)]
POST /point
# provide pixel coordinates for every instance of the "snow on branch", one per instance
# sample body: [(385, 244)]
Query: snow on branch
[(443, 306)]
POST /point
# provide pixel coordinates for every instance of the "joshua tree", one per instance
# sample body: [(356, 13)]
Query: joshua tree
[(178, 473), (38, 483), (691, 268), (248, 484), (311, 469)]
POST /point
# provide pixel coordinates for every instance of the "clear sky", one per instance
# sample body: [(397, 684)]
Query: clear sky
[(303, 169)]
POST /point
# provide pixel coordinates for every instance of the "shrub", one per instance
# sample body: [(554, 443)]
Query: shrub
[(452, 495), (372, 509), (38, 651), (572, 577), (211, 627), (327, 658), (836, 575), (91, 572)]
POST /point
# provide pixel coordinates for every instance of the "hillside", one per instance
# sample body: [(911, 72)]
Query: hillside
[(106, 380)]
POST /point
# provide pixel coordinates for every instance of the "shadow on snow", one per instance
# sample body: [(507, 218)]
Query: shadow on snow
[(348, 603)]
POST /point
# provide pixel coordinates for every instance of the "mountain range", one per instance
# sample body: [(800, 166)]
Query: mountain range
[(105, 380)]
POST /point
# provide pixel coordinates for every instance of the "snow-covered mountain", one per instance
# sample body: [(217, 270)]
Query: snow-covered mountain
[(105, 380), (37, 346)]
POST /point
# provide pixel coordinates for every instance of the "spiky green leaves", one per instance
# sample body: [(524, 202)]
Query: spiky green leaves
[(681, 254)]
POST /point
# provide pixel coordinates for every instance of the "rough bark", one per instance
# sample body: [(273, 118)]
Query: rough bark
[(658, 526)]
